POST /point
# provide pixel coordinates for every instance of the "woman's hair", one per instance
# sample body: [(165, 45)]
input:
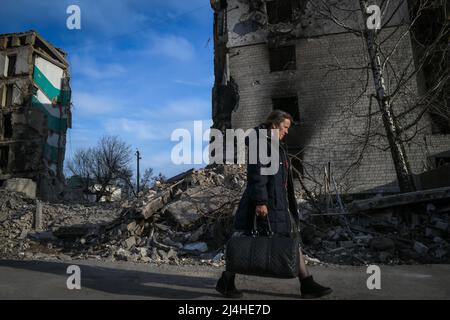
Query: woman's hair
[(276, 117)]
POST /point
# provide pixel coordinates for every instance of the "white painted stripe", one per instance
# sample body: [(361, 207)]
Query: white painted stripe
[(53, 110), (53, 73)]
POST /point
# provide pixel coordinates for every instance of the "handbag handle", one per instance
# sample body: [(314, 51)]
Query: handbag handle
[(255, 227)]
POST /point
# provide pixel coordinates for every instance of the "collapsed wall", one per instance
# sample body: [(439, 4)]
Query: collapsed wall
[(34, 111)]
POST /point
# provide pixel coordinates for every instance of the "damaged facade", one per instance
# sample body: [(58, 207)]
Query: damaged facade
[(35, 111), (283, 54)]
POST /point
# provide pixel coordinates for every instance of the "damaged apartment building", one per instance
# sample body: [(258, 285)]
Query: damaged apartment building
[(34, 111), (295, 55)]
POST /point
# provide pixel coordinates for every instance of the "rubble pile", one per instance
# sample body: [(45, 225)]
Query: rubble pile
[(188, 219), (189, 216), (398, 235), (16, 220), (18, 234)]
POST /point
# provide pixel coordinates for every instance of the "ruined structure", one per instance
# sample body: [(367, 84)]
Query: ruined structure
[(34, 111), (299, 56)]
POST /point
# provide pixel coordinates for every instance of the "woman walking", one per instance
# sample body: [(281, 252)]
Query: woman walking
[(272, 199)]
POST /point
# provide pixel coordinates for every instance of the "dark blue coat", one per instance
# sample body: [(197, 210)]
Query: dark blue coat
[(275, 191)]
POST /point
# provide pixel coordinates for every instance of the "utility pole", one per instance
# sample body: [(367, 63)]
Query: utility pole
[(138, 157)]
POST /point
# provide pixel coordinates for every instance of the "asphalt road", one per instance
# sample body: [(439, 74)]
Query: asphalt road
[(122, 280)]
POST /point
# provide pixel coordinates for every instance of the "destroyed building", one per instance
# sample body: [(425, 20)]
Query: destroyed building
[(34, 111), (283, 54)]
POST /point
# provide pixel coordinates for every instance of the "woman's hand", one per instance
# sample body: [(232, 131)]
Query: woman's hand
[(262, 211)]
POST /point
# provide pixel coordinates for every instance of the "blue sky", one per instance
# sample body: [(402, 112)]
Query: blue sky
[(139, 69)]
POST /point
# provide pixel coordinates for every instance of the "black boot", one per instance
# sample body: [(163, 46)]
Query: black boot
[(311, 289), (226, 286)]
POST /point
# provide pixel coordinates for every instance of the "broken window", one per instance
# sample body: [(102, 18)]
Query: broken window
[(12, 59), (282, 58), (7, 126), (279, 11), (9, 95), (4, 157), (289, 105)]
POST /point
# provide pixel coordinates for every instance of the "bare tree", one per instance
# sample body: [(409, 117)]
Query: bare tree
[(160, 177), (80, 165), (146, 180), (400, 107), (104, 165)]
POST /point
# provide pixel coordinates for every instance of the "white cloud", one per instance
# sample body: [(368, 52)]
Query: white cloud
[(139, 129), (201, 83), (87, 104), (151, 130), (177, 110), (172, 47), (91, 69)]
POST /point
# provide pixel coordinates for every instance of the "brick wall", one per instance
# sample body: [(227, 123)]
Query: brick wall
[(329, 120)]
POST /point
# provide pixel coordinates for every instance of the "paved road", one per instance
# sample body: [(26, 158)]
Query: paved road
[(121, 280)]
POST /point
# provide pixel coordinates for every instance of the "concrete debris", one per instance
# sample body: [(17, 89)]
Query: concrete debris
[(420, 247), (408, 198), (25, 186), (122, 255), (184, 213), (130, 242), (197, 246), (189, 219), (175, 222), (404, 233), (382, 244)]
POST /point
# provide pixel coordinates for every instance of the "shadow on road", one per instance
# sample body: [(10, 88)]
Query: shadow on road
[(126, 282), (143, 284)]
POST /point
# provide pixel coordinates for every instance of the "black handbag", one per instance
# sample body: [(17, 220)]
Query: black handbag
[(267, 255)]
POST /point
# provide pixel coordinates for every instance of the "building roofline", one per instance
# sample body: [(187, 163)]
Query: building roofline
[(57, 53)]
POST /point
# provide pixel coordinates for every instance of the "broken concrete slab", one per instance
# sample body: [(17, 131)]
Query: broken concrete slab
[(155, 204), (382, 244), (131, 226), (441, 224), (43, 236), (347, 244), (329, 244), (420, 248), (24, 186), (142, 252), (130, 242), (400, 199), (184, 213), (172, 243), (196, 246), (76, 231)]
